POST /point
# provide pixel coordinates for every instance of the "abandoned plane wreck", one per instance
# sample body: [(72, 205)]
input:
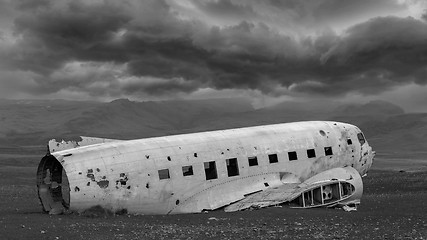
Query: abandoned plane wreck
[(302, 164)]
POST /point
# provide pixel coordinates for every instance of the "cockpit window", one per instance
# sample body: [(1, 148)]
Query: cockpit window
[(361, 138)]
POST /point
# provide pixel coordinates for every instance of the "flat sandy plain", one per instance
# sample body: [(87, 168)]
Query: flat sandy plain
[(394, 206)]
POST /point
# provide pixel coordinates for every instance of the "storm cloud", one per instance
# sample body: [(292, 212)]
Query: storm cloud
[(105, 48)]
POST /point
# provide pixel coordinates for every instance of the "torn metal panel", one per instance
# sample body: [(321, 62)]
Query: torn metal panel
[(152, 175), (338, 186), (226, 193), (55, 146)]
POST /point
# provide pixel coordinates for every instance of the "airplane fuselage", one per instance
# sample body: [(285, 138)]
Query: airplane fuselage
[(199, 171)]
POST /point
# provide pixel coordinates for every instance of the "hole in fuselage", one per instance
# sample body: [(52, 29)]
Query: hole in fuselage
[(53, 186)]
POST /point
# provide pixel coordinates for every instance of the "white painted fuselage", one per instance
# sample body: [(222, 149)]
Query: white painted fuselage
[(172, 174)]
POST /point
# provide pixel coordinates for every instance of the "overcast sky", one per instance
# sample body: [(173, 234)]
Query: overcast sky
[(268, 50)]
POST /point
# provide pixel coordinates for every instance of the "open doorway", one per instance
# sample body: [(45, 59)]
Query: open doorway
[(53, 186)]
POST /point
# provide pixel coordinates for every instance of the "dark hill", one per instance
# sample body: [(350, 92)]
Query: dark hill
[(371, 108), (35, 122)]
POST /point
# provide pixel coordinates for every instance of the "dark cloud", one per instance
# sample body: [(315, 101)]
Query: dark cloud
[(54, 35), (370, 58), (329, 11), (161, 86), (226, 8), (109, 48), (379, 54), (166, 58), (251, 39), (32, 4), (424, 15)]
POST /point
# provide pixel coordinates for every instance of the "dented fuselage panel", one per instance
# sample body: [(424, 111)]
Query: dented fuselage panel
[(191, 173)]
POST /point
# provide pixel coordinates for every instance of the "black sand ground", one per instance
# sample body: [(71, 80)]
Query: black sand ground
[(394, 206)]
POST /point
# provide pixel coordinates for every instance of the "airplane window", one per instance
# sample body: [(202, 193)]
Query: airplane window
[(164, 174), (349, 142), (311, 153), (273, 158), (232, 167), (253, 161), (187, 170), (361, 138), (210, 170), (292, 156), (328, 151)]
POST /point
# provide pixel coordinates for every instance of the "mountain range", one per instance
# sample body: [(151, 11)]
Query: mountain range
[(33, 122)]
